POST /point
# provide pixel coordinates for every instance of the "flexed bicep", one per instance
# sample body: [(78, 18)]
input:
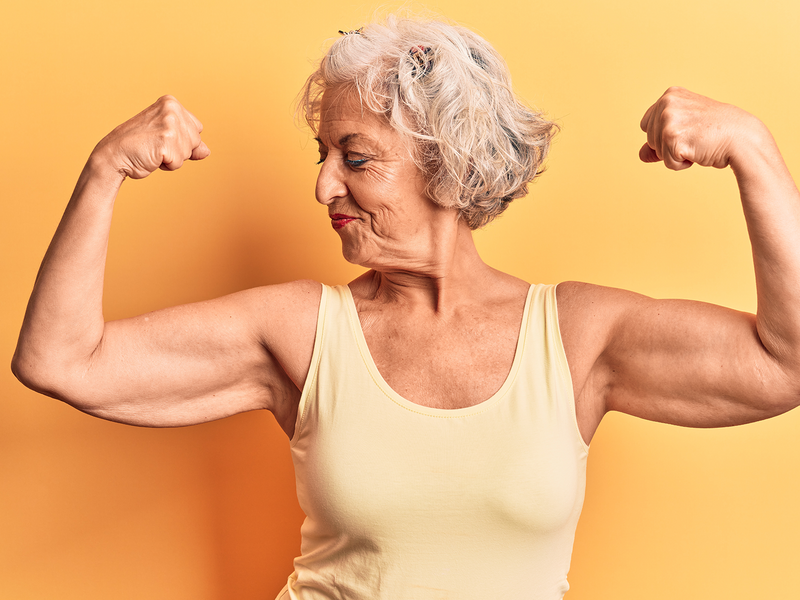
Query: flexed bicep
[(204, 361), (673, 361)]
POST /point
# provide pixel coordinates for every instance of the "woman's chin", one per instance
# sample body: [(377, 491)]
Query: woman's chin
[(357, 256), (353, 254)]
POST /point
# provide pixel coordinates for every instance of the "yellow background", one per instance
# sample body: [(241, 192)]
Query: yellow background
[(95, 510)]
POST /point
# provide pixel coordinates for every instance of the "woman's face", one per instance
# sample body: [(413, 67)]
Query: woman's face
[(374, 192)]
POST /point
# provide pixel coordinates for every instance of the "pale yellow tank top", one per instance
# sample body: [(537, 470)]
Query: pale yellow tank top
[(407, 502)]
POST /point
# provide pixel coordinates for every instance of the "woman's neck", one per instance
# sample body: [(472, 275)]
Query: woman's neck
[(444, 275)]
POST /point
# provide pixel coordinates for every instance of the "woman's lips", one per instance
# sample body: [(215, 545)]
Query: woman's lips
[(338, 221)]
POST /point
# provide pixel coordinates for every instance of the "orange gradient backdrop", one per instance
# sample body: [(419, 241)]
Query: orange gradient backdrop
[(94, 510)]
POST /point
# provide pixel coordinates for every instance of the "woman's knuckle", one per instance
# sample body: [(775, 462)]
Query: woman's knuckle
[(670, 106), (166, 137), (167, 100), (171, 117)]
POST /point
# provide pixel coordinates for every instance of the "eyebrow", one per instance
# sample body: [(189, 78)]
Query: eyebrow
[(347, 138)]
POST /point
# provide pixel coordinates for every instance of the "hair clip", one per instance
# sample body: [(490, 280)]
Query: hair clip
[(352, 31), (422, 59)]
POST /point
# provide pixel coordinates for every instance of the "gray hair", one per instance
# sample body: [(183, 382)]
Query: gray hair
[(477, 145)]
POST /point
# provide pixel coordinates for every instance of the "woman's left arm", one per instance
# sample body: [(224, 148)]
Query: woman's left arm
[(685, 362)]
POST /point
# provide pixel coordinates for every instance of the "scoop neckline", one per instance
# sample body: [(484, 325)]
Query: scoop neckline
[(482, 406)]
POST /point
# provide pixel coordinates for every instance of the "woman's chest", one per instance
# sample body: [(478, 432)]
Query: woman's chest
[(442, 363)]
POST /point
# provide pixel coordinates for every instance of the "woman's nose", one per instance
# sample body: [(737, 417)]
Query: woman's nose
[(330, 183)]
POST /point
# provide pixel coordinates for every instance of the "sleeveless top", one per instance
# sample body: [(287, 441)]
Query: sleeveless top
[(408, 502)]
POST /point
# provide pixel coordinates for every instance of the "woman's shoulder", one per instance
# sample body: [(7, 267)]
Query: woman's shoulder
[(273, 306), (578, 300), (302, 295), (285, 318)]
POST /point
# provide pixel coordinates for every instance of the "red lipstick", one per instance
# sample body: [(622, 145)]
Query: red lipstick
[(338, 221)]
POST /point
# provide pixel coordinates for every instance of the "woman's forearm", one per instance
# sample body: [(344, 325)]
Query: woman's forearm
[(64, 321), (771, 206)]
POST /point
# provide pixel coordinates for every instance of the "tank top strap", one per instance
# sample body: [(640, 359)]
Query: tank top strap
[(335, 347), (313, 369), (545, 358)]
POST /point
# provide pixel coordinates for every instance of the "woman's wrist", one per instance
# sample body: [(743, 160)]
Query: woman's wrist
[(101, 166), (752, 148)]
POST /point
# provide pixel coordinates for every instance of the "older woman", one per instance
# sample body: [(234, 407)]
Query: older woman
[(439, 410)]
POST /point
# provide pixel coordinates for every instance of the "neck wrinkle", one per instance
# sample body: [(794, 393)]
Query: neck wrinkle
[(449, 277)]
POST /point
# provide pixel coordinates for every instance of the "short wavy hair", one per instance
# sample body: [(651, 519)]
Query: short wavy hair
[(476, 143)]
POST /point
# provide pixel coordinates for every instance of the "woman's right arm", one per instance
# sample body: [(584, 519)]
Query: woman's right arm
[(178, 366)]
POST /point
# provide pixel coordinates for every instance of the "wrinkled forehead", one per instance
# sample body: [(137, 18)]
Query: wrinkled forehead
[(342, 114)]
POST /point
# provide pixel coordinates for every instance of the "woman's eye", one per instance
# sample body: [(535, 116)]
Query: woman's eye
[(355, 162)]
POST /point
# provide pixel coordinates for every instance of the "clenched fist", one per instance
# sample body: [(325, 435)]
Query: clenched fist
[(162, 136), (684, 128)]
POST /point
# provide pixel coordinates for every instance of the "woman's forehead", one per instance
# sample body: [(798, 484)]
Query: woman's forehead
[(343, 119)]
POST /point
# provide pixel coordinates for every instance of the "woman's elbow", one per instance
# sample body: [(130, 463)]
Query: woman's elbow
[(42, 375), (783, 395)]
